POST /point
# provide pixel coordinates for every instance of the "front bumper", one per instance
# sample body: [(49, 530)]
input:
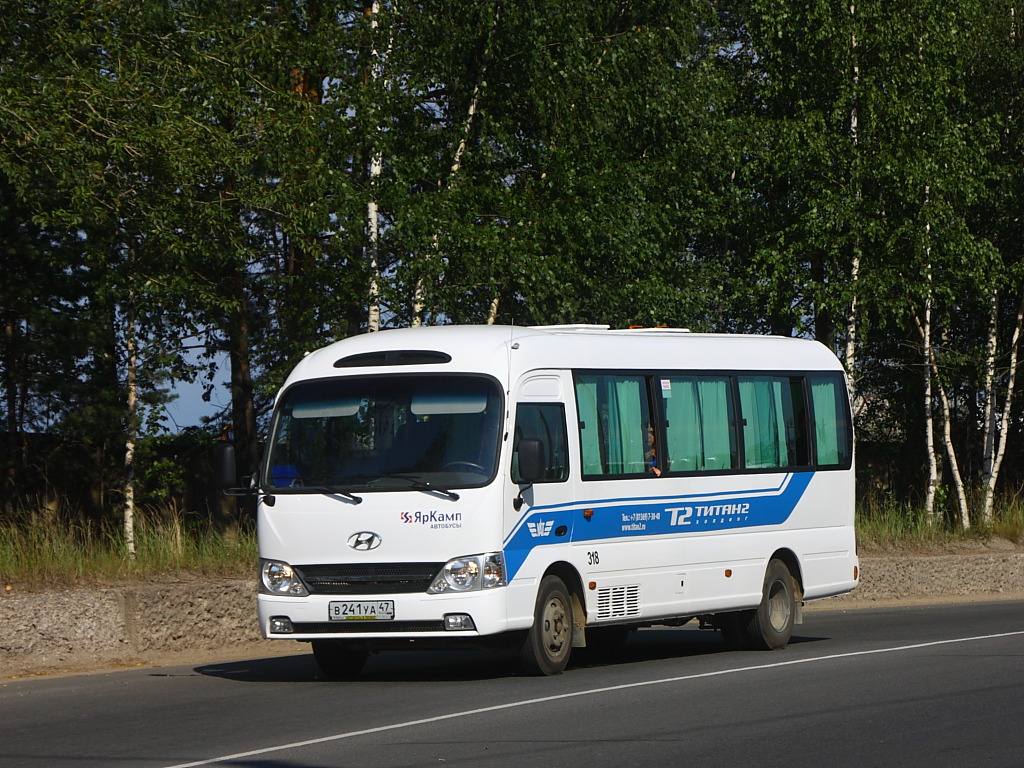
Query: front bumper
[(416, 616)]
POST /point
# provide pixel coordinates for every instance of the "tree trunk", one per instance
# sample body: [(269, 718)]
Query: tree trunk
[(932, 372), (299, 261), (372, 212), (131, 383), (925, 330), (849, 358), (926, 340), (243, 410), (824, 320), (372, 253), (12, 376), (419, 300), (947, 438), (993, 453), (989, 417)]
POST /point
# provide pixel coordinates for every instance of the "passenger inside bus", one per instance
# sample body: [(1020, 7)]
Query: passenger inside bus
[(651, 455)]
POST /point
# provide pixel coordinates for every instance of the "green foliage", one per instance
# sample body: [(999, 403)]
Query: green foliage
[(721, 166)]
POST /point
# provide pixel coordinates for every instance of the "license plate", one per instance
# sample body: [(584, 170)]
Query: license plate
[(361, 610)]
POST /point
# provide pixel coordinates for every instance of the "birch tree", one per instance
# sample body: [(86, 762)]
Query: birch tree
[(995, 77), (925, 330), (84, 127), (996, 423), (852, 315)]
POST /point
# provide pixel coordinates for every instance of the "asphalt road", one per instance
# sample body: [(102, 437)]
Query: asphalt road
[(911, 686)]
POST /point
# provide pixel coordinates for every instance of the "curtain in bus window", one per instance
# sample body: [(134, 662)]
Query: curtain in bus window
[(612, 412), (589, 424), (697, 429), (627, 427), (715, 421), (683, 425), (764, 429), (829, 421)]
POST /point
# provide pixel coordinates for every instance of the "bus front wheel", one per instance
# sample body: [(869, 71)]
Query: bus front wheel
[(549, 642)]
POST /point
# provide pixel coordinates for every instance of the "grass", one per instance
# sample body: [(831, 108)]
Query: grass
[(888, 526), (1009, 523), (900, 527), (55, 551)]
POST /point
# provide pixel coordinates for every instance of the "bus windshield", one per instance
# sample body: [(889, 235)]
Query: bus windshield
[(400, 432)]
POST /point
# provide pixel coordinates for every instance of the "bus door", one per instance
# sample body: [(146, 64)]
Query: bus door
[(538, 514), (625, 548)]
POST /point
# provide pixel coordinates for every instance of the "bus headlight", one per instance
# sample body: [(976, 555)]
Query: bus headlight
[(471, 573), (278, 578)]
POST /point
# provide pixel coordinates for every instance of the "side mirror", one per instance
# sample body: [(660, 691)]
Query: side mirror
[(532, 462), (224, 472)]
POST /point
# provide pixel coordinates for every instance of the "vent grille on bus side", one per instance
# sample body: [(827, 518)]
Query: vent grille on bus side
[(368, 578), (618, 602)]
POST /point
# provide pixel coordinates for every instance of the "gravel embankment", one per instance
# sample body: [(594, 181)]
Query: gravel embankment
[(91, 628)]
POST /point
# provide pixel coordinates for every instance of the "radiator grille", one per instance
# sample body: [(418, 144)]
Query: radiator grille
[(618, 602), (368, 578)]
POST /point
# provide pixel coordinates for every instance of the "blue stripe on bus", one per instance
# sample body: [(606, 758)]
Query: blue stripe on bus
[(653, 516)]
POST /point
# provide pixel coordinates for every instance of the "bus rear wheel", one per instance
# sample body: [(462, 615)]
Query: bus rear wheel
[(338, 661), (771, 625), (549, 642)]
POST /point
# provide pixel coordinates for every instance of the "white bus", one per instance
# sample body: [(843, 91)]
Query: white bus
[(552, 487)]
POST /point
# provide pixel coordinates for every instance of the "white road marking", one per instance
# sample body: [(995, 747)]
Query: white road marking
[(588, 692)]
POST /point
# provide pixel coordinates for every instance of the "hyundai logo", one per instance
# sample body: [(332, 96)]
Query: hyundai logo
[(364, 540)]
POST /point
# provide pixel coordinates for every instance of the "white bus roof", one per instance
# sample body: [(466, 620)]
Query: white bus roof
[(509, 351)]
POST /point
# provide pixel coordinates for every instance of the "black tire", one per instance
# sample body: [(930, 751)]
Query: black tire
[(733, 627), (549, 642), (771, 625), (337, 661)]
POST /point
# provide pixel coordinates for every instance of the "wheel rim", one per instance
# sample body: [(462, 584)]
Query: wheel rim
[(779, 606), (555, 627)]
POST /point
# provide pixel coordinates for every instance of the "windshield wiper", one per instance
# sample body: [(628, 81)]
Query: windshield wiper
[(332, 490), (422, 485)]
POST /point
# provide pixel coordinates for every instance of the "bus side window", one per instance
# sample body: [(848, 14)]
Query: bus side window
[(699, 423), (544, 422), (774, 422), (614, 414), (797, 424), (832, 432)]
